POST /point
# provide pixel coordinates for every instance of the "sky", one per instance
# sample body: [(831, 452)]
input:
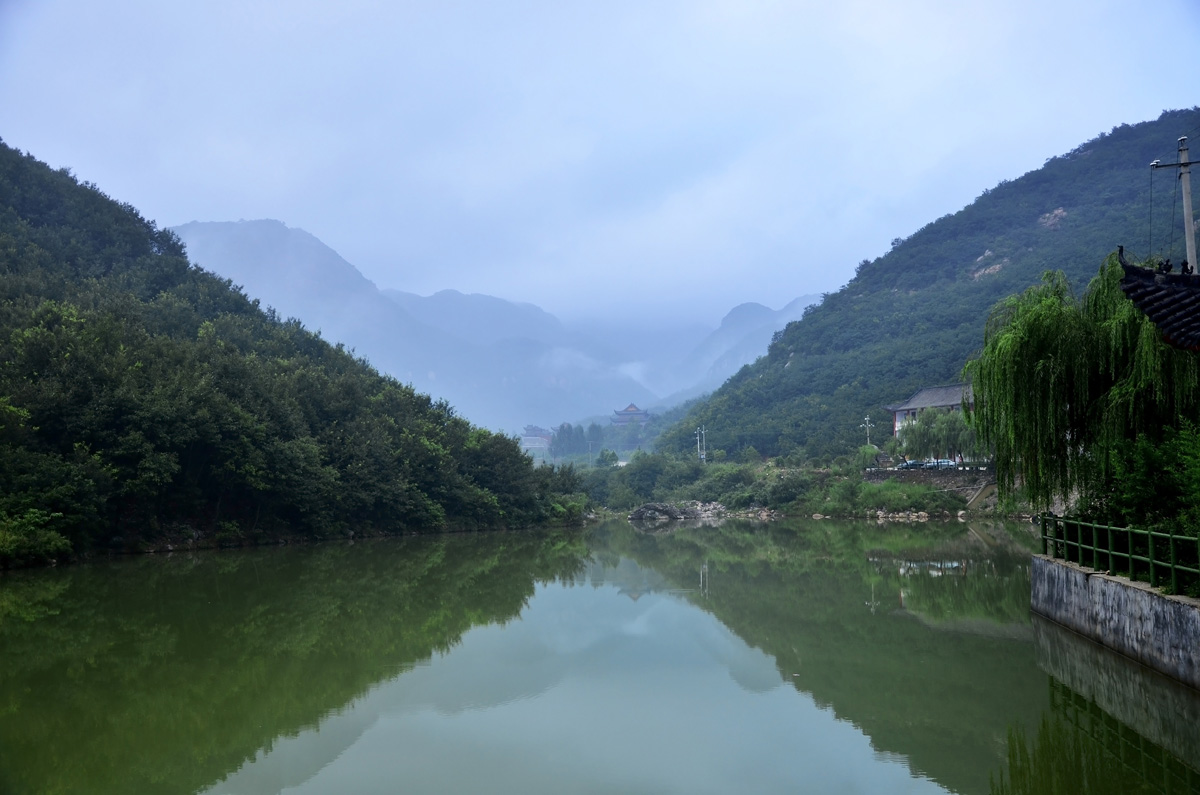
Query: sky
[(602, 160)]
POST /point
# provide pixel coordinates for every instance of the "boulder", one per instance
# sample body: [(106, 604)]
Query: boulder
[(661, 511)]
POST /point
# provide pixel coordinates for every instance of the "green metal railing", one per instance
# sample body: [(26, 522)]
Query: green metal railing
[(1164, 560)]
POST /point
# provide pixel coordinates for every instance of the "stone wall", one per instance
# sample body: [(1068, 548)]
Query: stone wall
[(1161, 632)]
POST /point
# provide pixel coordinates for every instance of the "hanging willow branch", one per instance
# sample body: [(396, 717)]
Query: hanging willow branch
[(1061, 382)]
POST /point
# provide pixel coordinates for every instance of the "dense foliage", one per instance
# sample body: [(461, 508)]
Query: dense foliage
[(1082, 398), (910, 318), (661, 477), (143, 400), (939, 433)]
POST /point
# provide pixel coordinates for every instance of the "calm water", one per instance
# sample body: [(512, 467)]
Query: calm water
[(790, 657)]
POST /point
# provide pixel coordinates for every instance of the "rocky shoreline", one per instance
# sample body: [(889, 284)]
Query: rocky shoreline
[(714, 512)]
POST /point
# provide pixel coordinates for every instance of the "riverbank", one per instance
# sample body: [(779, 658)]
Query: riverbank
[(1161, 631)]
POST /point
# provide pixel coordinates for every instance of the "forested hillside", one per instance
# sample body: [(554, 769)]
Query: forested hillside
[(146, 401), (912, 317)]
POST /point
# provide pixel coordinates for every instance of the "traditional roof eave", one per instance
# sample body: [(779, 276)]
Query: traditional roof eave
[(935, 397), (1170, 300)]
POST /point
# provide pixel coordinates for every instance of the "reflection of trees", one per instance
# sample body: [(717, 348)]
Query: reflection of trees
[(157, 675), (997, 598), (1079, 748), (798, 591)]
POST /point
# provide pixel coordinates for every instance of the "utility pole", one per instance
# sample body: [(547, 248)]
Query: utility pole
[(868, 425), (701, 445), (1185, 177), (1189, 225)]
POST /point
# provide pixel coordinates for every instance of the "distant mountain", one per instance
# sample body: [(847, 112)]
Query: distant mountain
[(500, 363), (743, 336), (301, 277), (912, 317), (481, 319)]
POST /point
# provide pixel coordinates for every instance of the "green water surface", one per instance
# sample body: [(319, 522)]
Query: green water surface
[(782, 657)]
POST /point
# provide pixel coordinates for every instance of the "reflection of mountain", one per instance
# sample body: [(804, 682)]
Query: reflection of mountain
[(166, 675), (563, 638), (171, 674), (802, 593)]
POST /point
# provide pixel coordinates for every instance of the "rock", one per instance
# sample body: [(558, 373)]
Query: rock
[(661, 511)]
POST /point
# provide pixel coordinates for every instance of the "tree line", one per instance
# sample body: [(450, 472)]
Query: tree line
[(145, 401)]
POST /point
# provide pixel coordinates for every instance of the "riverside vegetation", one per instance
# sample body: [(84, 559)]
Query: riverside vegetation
[(780, 484), (1083, 401), (145, 402)]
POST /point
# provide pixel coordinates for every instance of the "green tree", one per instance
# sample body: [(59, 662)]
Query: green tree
[(1067, 391), (919, 436)]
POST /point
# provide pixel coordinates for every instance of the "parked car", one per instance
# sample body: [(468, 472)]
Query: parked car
[(911, 465)]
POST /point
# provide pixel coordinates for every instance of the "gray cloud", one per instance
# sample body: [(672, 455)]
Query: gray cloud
[(592, 158)]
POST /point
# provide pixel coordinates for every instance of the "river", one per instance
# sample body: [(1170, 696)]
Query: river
[(794, 656)]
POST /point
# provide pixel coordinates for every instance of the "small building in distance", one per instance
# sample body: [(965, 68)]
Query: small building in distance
[(536, 441), (949, 396), (629, 415)]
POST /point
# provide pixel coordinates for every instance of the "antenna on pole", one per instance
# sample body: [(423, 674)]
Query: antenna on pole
[(701, 443)]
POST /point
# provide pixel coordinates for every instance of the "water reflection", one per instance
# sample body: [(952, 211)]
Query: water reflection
[(938, 693), (783, 657), (1081, 748), (165, 675), (1113, 725)]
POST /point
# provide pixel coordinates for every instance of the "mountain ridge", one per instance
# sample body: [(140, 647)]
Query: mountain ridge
[(911, 317), (500, 363)]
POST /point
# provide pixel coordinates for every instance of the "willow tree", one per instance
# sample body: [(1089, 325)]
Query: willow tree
[(1065, 385)]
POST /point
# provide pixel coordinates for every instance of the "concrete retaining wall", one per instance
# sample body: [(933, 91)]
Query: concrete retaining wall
[(1161, 632)]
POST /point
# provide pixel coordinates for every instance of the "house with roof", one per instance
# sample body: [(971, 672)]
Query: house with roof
[(629, 415), (949, 396), (536, 441)]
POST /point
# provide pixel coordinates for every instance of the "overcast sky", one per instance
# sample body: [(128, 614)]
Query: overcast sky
[(593, 158)]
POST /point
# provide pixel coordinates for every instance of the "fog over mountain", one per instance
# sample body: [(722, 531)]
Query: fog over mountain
[(500, 363)]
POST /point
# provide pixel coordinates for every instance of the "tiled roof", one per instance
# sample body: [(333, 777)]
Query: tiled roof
[(1170, 300), (935, 397)]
